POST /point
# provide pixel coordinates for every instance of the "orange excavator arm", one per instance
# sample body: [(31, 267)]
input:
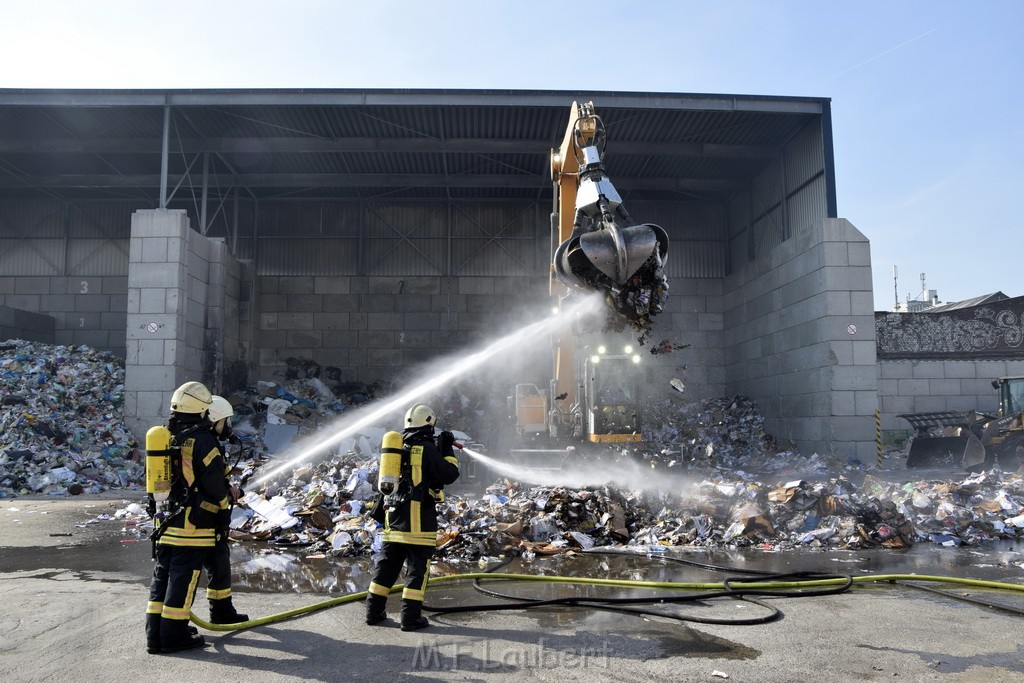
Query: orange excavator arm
[(597, 248)]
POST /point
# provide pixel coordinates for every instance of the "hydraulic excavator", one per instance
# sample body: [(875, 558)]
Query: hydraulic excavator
[(595, 393)]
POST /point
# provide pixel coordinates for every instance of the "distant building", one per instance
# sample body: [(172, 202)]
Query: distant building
[(966, 303), (918, 305), (945, 358)]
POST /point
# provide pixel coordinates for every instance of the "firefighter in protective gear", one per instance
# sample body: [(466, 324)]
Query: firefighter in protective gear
[(218, 559), (410, 523), (198, 493)]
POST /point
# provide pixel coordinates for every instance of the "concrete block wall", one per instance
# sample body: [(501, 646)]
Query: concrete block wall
[(693, 315), (374, 329), (924, 386), (181, 313), (799, 339), (18, 324), (85, 310), (381, 329)]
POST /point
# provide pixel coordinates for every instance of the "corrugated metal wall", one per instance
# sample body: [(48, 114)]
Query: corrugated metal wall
[(458, 238), (61, 239), (787, 197), (379, 238), (805, 179)]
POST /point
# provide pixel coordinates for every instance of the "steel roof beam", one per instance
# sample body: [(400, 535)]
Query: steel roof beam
[(311, 180), (426, 98), (298, 145)]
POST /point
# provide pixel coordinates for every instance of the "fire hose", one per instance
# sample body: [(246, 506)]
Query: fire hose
[(792, 585)]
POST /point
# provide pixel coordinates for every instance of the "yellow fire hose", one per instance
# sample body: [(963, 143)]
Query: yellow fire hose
[(619, 583)]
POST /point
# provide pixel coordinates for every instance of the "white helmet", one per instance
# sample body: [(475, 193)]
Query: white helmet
[(191, 397), (420, 415), (220, 409)]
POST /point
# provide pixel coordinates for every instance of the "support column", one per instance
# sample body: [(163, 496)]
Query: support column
[(156, 330)]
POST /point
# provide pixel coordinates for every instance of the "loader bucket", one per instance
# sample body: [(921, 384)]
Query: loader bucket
[(946, 451)]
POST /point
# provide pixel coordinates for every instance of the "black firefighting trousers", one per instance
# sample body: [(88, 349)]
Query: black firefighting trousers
[(416, 559)]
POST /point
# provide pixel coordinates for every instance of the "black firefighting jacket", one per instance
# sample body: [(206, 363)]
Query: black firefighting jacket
[(425, 473), (201, 490)]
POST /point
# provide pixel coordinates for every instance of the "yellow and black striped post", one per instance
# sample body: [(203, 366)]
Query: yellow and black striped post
[(878, 436)]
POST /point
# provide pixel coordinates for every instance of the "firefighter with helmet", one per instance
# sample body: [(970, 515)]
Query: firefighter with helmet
[(183, 539), (218, 560), (410, 517)]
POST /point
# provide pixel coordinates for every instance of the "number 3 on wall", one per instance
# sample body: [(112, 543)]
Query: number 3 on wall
[(84, 287)]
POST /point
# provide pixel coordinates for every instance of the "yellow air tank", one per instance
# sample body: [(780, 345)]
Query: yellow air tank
[(390, 462), (158, 463)]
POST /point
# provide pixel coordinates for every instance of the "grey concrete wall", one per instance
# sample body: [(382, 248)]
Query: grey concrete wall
[(182, 317), (86, 310), (799, 339), (924, 386), (377, 329), (693, 315), (17, 324)]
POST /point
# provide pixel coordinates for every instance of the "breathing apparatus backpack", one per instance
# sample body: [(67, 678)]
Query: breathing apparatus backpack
[(163, 463), (165, 482), (394, 480), (391, 449)]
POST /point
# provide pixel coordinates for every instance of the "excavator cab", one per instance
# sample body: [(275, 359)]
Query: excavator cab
[(612, 387)]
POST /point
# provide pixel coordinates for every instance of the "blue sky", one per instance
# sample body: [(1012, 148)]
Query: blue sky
[(926, 95)]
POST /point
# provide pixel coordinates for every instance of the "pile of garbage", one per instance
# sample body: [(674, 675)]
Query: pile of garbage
[(717, 477), (319, 512), (723, 434), (61, 428), (271, 416)]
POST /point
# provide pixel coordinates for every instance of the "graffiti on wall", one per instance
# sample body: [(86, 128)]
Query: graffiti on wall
[(988, 330)]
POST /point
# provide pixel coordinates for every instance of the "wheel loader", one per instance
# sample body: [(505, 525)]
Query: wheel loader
[(972, 440)]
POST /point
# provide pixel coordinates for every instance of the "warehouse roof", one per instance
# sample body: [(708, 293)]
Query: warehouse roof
[(370, 144)]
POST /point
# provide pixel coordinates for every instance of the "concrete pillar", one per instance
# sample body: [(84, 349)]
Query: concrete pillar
[(800, 340), (157, 328)]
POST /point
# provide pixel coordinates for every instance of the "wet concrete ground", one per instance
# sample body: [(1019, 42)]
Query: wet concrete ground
[(74, 605)]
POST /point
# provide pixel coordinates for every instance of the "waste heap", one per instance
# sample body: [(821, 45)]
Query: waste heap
[(720, 481), (61, 428)]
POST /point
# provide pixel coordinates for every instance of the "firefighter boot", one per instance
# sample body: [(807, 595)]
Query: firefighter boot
[(375, 609), (223, 612), (176, 636), (412, 620), (153, 634)]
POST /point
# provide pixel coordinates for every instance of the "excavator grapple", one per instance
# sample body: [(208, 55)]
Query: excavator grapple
[(600, 248)]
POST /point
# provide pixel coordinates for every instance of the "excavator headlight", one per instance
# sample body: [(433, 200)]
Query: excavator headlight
[(636, 359), (595, 359), (628, 349), (601, 349)]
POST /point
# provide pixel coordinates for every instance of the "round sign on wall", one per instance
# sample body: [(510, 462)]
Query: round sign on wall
[(851, 329)]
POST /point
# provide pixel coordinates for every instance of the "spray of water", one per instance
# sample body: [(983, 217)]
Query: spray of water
[(454, 367), (577, 475)]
